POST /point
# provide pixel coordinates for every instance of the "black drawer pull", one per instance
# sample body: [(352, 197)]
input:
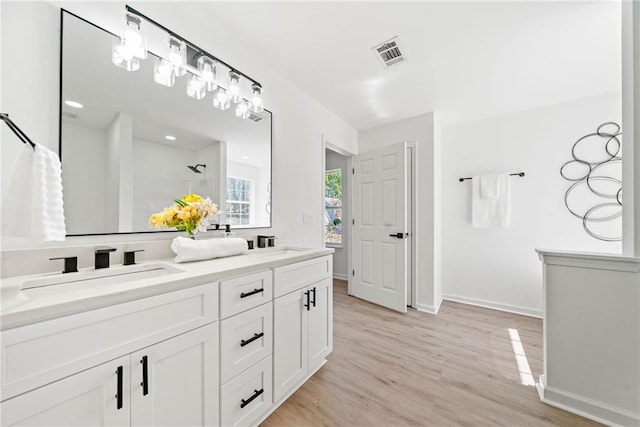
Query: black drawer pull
[(313, 291), (256, 393), (252, 339), (119, 388), (145, 376), (253, 292)]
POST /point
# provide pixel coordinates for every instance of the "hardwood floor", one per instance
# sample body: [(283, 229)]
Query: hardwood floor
[(454, 369)]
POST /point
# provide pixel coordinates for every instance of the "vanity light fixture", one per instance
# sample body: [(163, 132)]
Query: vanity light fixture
[(256, 98), (242, 110), (163, 72), (73, 104), (196, 87), (127, 50), (183, 57), (207, 69), (221, 98)]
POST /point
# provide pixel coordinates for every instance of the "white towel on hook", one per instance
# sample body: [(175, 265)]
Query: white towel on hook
[(33, 205), (487, 211)]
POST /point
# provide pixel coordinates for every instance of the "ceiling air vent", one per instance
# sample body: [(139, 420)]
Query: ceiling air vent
[(255, 117), (389, 53)]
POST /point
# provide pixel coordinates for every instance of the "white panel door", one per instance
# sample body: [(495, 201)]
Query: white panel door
[(90, 398), (379, 249), (320, 333), (180, 385), (290, 348)]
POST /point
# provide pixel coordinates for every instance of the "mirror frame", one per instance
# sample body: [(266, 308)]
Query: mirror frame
[(60, 108)]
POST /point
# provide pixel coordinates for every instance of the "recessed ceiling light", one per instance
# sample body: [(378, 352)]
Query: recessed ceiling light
[(245, 157), (73, 104), (170, 138)]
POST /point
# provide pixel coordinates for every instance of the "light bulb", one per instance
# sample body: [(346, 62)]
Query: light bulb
[(163, 72), (221, 98), (242, 110), (134, 37), (123, 56), (234, 87), (178, 56), (207, 69), (196, 87), (256, 98)]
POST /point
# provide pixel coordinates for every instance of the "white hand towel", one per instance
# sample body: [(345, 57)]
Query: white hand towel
[(487, 212), (187, 250), (489, 186), (33, 205)]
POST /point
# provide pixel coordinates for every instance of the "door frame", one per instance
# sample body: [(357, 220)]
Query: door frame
[(346, 202)]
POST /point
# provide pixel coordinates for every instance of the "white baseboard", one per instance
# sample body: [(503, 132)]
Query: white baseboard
[(340, 276), (429, 308), (586, 407), (525, 311)]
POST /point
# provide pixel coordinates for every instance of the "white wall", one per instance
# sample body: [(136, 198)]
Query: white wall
[(334, 160), (298, 121), (498, 267), (422, 131)]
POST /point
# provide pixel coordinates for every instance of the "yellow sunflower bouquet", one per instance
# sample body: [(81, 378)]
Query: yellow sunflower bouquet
[(192, 214)]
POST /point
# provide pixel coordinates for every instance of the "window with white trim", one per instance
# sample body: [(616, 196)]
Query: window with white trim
[(333, 207), (239, 196)]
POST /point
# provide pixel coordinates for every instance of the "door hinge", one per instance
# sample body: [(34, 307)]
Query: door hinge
[(353, 222), (353, 171), (353, 272)]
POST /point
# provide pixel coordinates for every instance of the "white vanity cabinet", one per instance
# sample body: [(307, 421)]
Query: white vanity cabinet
[(89, 368), (303, 322)]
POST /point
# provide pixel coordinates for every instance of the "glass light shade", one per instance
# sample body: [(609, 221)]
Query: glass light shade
[(256, 98), (123, 57), (134, 36), (234, 87), (242, 110), (163, 72), (196, 87), (178, 56), (221, 99), (207, 69)]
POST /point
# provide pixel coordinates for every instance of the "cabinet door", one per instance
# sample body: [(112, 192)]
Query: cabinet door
[(320, 334), (180, 386), (89, 398), (290, 352)]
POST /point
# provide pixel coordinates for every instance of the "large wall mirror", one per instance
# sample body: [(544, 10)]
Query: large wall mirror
[(135, 144)]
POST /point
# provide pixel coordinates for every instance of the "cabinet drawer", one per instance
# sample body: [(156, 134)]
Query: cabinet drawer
[(248, 396), (38, 354), (295, 276), (242, 293), (244, 340)]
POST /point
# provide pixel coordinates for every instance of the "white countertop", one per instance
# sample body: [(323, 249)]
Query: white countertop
[(17, 309)]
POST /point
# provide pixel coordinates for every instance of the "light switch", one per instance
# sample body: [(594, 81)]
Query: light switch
[(307, 217)]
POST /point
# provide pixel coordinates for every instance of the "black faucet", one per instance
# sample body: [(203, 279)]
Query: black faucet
[(102, 257), (263, 241), (70, 263)]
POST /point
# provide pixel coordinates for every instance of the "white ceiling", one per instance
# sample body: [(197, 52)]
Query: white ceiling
[(466, 60)]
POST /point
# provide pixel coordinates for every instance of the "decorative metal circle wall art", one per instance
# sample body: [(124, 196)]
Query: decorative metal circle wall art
[(593, 172)]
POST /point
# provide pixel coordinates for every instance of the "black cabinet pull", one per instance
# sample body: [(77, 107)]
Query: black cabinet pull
[(252, 339), (308, 305), (145, 376), (314, 296), (253, 292), (256, 393), (119, 388)]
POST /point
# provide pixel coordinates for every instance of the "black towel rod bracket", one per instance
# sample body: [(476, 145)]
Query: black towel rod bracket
[(511, 174), (19, 133)]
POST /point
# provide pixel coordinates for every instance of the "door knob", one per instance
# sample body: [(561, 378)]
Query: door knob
[(399, 235)]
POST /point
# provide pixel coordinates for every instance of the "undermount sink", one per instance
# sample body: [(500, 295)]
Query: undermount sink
[(86, 280), (279, 252)]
